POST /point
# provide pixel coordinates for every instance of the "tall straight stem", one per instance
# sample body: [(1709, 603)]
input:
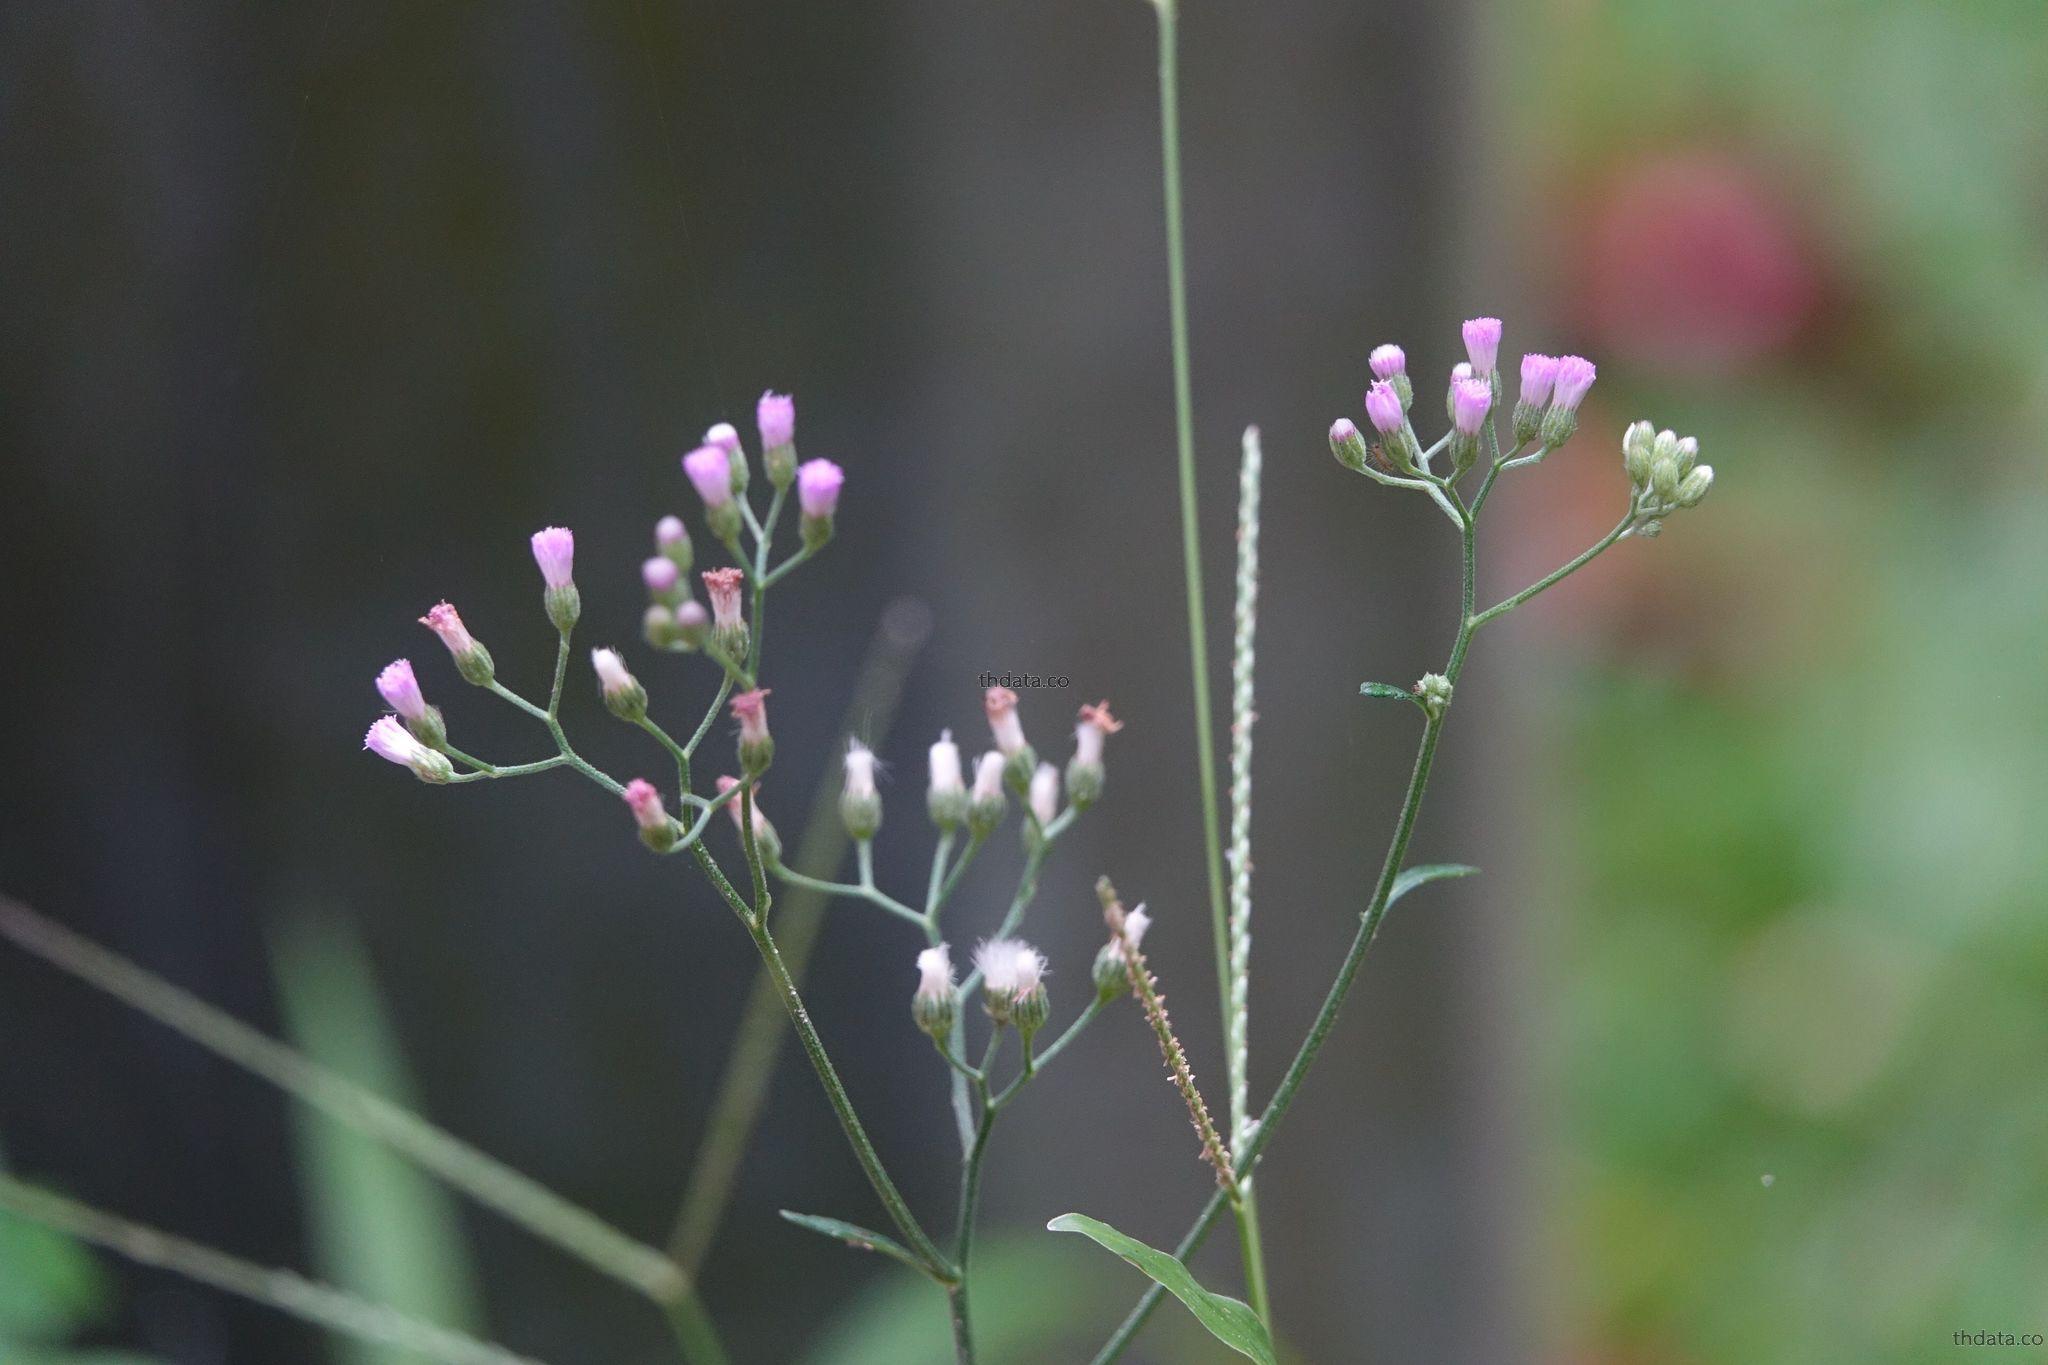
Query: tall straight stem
[(1191, 561), (1354, 956)]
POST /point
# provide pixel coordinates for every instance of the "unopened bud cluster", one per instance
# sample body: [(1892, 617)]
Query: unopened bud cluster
[(1664, 467)]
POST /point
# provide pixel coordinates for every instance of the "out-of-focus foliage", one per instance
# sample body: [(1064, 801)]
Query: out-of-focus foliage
[(380, 1228), (51, 1289), (1797, 976)]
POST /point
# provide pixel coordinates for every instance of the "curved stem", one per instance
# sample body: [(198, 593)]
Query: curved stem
[(1552, 579), (870, 894)]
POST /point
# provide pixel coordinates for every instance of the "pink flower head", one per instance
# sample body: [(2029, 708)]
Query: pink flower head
[(1096, 725), (1343, 432), (710, 474), (725, 436), (935, 974), (817, 487), (446, 622), (401, 690), (775, 415), (1388, 361), (750, 709), (691, 616), (669, 531), (1383, 406), (660, 574), (610, 668), (1482, 343), (763, 831), (723, 586), (645, 799), (1574, 378), (1470, 401), (392, 742), (1001, 705), (554, 549), (1460, 371), (1539, 373)]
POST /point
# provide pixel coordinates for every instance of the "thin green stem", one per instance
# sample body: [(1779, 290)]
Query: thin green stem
[(1552, 579), (963, 1237), (1191, 550), (800, 914), (864, 1152), (482, 1177), (1184, 445), (872, 895), (282, 1290)]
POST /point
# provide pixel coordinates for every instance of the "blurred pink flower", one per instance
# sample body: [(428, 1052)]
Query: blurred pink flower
[(1695, 263)]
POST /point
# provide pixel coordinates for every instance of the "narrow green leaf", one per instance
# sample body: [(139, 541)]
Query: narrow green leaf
[(856, 1237), (1388, 690), (1412, 877), (379, 1227), (1231, 1322)]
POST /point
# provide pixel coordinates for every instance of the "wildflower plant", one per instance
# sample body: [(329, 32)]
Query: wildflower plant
[(969, 799)]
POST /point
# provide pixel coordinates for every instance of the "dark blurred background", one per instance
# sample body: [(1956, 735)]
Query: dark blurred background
[(314, 312)]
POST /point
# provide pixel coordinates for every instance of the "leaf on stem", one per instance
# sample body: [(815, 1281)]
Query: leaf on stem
[(859, 1238), (1230, 1321), (1412, 877), (1388, 690)]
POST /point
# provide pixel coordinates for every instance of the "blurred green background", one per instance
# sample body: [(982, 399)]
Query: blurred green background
[(1735, 1053)]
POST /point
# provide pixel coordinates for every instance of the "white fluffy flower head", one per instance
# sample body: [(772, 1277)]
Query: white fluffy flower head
[(1010, 966)]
